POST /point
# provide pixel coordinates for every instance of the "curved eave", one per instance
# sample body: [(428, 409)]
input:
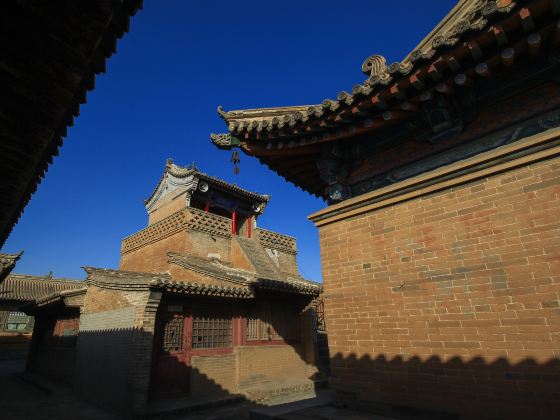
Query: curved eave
[(19, 182)]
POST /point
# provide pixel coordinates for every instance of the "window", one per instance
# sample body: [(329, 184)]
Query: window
[(173, 334), (18, 321), (211, 332), (272, 322)]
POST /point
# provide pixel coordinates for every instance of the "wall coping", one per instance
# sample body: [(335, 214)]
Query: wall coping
[(535, 148)]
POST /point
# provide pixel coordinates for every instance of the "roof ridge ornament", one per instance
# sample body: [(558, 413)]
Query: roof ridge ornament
[(221, 111), (375, 66)]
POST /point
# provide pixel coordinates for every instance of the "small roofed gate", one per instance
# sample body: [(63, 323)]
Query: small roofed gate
[(180, 334)]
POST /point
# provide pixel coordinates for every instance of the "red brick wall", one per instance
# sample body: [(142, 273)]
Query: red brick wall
[(450, 301)]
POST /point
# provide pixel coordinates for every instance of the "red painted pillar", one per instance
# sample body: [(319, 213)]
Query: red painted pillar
[(249, 226), (233, 223), (207, 207)]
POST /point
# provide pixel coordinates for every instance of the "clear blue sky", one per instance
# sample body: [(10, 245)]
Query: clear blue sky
[(158, 100)]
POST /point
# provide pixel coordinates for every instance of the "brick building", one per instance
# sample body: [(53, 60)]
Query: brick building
[(204, 304), (15, 326), (440, 245)]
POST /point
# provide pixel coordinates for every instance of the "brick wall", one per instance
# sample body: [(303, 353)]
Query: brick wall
[(213, 375), (51, 353), (260, 364), (450, 301), (103, 352), (152, 258), (116, 336), (166, 206)]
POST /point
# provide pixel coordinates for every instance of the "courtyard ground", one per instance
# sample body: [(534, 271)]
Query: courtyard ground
[(20, 400)]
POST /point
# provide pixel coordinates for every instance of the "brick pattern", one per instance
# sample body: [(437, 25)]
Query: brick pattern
[(274, 240), (261, 364), (451, 298), (187, 218), (212, 375)]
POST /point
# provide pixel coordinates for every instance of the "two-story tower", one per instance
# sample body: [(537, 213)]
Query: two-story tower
[(194, 215)]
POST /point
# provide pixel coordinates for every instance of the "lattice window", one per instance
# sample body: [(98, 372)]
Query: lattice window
[(253, 328), (210, 332), (173, 334)]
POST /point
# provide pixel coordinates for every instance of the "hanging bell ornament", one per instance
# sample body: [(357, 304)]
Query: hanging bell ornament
[(235, 160)]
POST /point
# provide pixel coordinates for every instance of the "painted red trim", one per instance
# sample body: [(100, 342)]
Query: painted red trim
[(234, 223), (249, 226)]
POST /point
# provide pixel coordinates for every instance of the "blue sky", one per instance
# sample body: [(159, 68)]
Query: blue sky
[(158, 100)]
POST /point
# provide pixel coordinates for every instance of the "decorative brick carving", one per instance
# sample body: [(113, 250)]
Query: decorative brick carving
[(274, 240), (168, 226), (188, 218), (209, 223)]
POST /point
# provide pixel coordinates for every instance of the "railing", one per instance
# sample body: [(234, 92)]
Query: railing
[(188, 218), (274, 240)]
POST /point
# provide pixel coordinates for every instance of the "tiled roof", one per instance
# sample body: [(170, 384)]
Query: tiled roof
[(54, 52), (478, 53), (70, 297), (7, 264), (259, 279), (183, 172), (466, 17), (175, 286), (212, 268), (26, 288)]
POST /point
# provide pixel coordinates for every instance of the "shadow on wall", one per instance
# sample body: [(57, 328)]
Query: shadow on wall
[(112, 369), (498, 389)]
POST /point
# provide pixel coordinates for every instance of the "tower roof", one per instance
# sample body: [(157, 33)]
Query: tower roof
[(190, 178)]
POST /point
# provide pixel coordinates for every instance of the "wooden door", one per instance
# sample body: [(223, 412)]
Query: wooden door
[(171, 365)]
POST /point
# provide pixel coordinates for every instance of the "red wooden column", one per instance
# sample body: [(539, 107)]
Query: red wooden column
[(249, 226), (234, 223)]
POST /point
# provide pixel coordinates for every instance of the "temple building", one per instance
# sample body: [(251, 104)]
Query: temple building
[(15, 326), (204, 305), (440, 243)]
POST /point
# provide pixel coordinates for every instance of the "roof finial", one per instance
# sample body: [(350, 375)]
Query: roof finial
[(375, 66), (169, 162), (221, 111)]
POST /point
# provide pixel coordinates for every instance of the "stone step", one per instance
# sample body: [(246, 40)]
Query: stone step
[(277, 411)]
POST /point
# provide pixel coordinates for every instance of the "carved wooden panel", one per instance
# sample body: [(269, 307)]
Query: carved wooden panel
[(173, 334)]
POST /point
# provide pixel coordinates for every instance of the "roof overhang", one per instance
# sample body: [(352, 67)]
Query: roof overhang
[(51, 53), (478, 43)]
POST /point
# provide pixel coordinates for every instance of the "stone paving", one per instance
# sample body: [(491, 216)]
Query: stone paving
[(21, 401)]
